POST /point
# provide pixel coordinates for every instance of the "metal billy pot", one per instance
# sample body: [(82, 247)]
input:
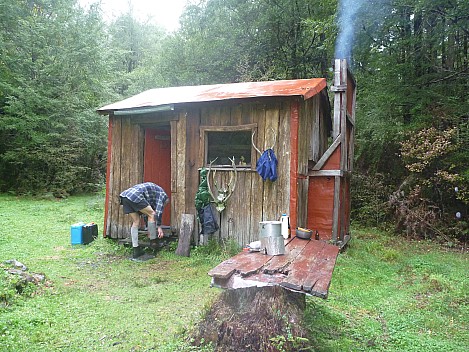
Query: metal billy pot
[(303, 233), (270, 235)]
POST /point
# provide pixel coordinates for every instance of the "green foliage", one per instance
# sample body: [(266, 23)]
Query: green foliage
[(426, 203), (52, 78), (7, 288), (370, 196), (216, 250), (136, 50), (411, 66), (231, 41)]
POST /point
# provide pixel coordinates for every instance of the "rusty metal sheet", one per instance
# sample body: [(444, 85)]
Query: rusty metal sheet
[(320, 212), (306, 88)]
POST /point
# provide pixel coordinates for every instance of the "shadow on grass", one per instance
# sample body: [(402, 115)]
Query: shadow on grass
[(326, 327)]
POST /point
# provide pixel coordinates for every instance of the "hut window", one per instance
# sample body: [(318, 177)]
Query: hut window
[(224, 142), (224, 145)]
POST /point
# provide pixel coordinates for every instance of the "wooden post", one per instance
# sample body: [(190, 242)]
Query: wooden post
[(185, 235)]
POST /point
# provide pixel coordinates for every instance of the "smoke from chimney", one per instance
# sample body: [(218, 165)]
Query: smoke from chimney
[(348, 10)]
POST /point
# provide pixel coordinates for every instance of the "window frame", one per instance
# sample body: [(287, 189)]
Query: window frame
[(204, 130)]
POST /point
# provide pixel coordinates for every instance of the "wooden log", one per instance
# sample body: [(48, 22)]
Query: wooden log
[(185, 235)]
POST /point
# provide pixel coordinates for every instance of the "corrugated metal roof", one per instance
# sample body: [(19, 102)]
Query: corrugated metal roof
[(205, 93)]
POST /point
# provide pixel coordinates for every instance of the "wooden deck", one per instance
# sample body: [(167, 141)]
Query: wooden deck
[(306, 267)]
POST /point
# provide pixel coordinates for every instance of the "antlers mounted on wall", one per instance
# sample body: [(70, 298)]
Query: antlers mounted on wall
[(223, 193), (257, 149)]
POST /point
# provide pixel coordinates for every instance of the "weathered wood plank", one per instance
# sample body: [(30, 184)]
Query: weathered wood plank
[(238, 208), (303, 264), (180, 195), (244, 263), (322, 161), (248, 118), (302, 213), (257, 185), (236, 115), (149, 119), (315, 140), (271, 130), (281, 263), (193, 140), (174, 170), (307, 266), (304, 135), (282, 150), (224, 118), (293, 177), (127, 162), (318, 281), (116, 213), (235, 281)]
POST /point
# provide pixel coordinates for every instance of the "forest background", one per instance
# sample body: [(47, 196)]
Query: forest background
[(60, 62)]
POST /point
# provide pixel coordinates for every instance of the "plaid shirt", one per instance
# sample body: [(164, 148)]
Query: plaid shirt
[(148, 191)]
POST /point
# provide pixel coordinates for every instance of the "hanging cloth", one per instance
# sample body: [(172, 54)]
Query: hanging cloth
[(208, 220), (202, 205), (202, 197), (266, 165)]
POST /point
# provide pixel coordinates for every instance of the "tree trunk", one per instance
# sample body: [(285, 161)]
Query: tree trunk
[(254, 319)]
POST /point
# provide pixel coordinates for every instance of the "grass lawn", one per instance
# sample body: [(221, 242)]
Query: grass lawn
[(387, 294)]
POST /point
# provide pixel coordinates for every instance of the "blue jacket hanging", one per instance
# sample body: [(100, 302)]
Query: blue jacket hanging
[(266, 165)]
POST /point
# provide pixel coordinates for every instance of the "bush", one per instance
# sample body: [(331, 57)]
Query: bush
[(370, 195)]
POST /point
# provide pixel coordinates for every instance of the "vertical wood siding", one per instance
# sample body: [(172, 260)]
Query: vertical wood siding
[(254, 200), (126, 169)]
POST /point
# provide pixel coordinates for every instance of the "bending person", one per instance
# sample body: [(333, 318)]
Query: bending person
[(148, 199)]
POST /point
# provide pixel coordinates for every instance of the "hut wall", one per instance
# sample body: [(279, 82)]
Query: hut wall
[(126, 169), (253, 200)]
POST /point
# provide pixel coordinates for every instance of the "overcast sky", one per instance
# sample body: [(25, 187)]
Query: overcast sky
[(163, 12)]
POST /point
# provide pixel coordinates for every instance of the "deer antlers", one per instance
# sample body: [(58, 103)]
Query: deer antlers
[(224, 193), (273, 145)]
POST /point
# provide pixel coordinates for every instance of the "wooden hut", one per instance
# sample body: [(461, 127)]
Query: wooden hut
[(167, 135)]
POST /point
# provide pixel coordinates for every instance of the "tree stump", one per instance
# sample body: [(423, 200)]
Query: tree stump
[(185, 235), (254, 319)]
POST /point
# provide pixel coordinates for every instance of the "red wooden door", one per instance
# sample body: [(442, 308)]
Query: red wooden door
[(157, 163)]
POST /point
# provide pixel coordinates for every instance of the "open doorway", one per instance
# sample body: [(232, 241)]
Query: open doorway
[(157, 162)]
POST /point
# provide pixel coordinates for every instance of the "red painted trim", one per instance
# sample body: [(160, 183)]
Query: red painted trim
[(313, 91), (294, 125), (108, 173)]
